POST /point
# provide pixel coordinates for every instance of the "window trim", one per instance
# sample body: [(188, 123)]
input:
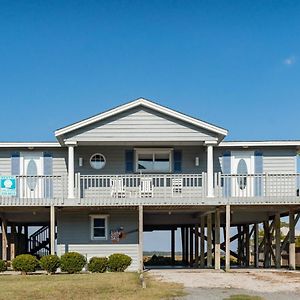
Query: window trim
[(92, 218), (100, 155), (152, 151)]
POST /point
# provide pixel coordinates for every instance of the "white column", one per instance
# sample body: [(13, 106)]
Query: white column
[(210, 171), (71, 170), (141, 239), (292, 248), (227, 240), (52, 229), (217, 240)]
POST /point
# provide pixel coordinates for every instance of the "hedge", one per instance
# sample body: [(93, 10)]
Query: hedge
[(2, 265), (25, 263), (98, 264), (119, 262), (50, 263), (72, 262)]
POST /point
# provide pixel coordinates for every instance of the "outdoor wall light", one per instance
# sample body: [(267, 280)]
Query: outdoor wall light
[(80, 161), (197, 161)]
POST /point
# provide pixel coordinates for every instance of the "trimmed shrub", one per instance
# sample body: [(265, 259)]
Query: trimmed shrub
[(25, 263), (98, 264), (2, 265), (119, 262), (50, 263), (72, 262)]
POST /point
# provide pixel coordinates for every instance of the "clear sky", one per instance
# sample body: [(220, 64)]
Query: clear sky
[(232, 63)]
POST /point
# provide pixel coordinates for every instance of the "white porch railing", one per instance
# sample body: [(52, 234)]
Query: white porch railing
[(257, 185), (37, 190), (145, 186)]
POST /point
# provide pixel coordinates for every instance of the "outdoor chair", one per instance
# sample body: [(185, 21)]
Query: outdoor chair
[(118, 190), (146, 188)]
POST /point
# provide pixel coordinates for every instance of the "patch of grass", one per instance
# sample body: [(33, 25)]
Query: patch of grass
[(244, 297), (86, 286)]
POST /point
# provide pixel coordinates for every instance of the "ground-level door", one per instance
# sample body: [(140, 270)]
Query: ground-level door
[(31, 169), (243, 170)]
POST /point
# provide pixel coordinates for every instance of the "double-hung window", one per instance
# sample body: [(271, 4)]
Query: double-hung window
[(153, 160), (99, 227)]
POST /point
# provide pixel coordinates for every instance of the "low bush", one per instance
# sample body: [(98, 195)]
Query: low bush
[(118, 262), (25, 263), (72, 262), (2, 265), (50, 263), (98, 264)]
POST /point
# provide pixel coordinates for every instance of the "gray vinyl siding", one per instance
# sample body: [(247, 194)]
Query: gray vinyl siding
[(59, 159), (74, 234), (140, 124)]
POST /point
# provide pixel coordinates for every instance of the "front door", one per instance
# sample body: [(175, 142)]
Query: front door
[(31, 171), (242, 171)]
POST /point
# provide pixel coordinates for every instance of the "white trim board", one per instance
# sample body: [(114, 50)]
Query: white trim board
[(260, 144), (147, 104)]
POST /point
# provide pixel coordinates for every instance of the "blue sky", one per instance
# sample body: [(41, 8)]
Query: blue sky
[(232, 63)]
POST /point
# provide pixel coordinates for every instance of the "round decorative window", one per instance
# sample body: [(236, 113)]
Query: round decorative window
[(97, 161)]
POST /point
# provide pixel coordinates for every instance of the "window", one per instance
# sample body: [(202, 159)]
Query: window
[(153, 160), (97, 161), (242, 172), (99, 227)]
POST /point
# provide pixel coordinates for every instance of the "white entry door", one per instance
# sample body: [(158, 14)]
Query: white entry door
[(242, 163), (31, 171)]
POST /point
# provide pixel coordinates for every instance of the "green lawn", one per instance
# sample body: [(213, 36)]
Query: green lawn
[(243, 297), (85, 286)]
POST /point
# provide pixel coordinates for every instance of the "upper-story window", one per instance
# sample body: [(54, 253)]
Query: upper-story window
[(153, 160), (97, 161)]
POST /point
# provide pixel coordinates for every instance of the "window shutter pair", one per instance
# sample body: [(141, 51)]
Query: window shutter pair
[(129, 161)]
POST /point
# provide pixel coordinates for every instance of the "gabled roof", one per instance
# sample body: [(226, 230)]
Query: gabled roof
[(148, 104)]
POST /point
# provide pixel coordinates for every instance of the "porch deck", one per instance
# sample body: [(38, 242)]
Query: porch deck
[(155, 189)]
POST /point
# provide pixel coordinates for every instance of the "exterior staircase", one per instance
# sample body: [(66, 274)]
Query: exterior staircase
[(39, 242)]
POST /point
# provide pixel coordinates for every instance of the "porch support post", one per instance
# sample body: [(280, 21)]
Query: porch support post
[(197, 245), (277, 241), (173, 246), (4, 239), (209, 241), (71, 168), (217, 240), (256, 245), (186, 259), (247, 245), (292, 248), (202, 241), (141, 238), (52, 229), (210, 170), (227, 239), (12, 241), (182, 243), (191, 246)]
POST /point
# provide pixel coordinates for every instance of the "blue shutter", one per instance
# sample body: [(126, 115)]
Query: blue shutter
[(48, 172), (177, 158), (129, 161), (15, 163), (258, 169), (15, 169), (226, 166)]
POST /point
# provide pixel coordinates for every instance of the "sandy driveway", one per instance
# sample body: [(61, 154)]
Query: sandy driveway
[(210, 284)]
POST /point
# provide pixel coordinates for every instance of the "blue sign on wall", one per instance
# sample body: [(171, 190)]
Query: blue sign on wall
[(8, 186)]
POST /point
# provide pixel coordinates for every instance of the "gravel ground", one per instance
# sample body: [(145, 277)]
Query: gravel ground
[(211, 284)]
